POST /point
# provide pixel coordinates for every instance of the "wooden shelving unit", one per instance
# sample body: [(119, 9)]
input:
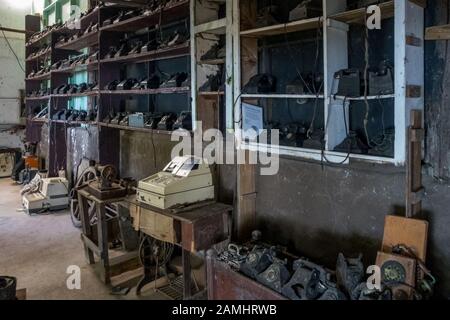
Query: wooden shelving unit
[(209, 29), (335, 24), (101, 71)]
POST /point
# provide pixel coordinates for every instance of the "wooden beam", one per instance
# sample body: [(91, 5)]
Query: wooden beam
[(438, 32), (420, 3), (414, 166)]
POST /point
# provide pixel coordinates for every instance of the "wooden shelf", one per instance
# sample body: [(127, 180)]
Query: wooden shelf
[(78, 68), (384, 96), (169, 14), (75, 95), (212, 62), (39, 56), (295, 26), (183, 133), (160, 54), (359, 15), (85, 41), (217, 27), (38, 98), (211, 95), (45, 76), (40, 120), (74, 123), (282, 96), (438, 32), (148, 91)]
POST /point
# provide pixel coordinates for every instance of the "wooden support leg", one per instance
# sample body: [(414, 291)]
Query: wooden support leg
[(103, 241), (186, 274), (86, 226)]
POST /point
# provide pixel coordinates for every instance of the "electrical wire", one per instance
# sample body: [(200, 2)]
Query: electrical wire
[(324, 157), (11, 48)]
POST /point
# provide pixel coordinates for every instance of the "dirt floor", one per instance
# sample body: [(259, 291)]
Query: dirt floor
[(39, 249)]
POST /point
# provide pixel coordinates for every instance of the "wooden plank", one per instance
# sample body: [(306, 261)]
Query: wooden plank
[(21, 294), (409, 232), (127, 279), (187, 281), (438, 32), (204, 233), (414, 166), (359, 15), (123, 263), (420, 3), (158, 226), (296, 26), (226, 284)]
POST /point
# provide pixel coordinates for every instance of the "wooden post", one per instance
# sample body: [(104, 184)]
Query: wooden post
[(246, 193), (187, 283), (414, 189)]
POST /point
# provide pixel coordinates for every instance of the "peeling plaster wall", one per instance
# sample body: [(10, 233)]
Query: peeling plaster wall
[(12, 15)]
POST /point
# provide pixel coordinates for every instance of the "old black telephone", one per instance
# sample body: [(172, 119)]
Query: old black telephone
[(261, 83), (111, 86), (126, 84), (184, 121), (167, 122)]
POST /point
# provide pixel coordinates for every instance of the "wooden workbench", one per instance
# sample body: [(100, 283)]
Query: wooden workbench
[(193, 228), (100, 245)]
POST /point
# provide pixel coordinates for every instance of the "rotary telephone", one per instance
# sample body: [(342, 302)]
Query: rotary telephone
[(167, 122), (176, 80), (261, 83), (112, 85), (153, 120), (184, 121), (126, 84)]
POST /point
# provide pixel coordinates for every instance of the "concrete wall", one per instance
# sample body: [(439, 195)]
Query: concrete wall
[(319, 211)]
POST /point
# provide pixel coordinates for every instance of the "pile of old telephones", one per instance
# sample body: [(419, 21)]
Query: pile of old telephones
[(299, 278), (168, 121), (154, 81), (76, 115)]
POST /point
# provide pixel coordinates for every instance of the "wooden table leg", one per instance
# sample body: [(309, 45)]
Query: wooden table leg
[(186, 256), (86, 226), (102, 229)]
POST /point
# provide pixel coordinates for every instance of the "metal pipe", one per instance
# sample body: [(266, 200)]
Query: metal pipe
[(13, 30)]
